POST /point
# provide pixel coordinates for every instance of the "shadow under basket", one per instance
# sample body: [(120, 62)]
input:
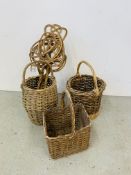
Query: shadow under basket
[(67, 130)]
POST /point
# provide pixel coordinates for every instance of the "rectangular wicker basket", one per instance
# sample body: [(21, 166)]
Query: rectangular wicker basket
[(67, 128)]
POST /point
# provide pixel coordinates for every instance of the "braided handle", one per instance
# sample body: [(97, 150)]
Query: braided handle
[(71, 107), (38, 68), (93, 73)]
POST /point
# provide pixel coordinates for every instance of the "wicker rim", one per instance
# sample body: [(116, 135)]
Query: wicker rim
[(72, 116), (40, 72), (38, 90), (61, 136), (81, 92)]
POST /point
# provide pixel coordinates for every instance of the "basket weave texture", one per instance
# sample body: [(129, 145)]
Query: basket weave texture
[(39, 92), (67, 128), (87, 89)]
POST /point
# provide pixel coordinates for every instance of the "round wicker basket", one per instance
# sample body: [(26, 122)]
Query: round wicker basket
[(39, 92), (87, 89)]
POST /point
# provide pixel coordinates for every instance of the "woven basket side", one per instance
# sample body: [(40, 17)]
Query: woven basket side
[(67, 145), (38, 100)]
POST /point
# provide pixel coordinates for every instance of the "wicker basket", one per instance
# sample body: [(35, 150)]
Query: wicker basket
[(69, 131), (39, 92), (87, 89)]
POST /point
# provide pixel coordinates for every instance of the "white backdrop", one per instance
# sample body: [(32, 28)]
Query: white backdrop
[(99, 32)]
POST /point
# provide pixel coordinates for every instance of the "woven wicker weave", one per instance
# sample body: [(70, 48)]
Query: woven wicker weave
[(67, 129), (39, 93), (87, 89)]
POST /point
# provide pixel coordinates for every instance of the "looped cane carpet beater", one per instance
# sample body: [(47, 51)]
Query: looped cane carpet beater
[(50, 47)]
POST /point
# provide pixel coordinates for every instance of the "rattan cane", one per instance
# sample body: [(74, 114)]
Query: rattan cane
[(55, 28), (50, 47)]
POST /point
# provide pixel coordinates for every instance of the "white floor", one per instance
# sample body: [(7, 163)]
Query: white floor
[(23, 149)]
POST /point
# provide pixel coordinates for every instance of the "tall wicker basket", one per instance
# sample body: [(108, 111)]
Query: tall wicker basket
[(87, 89), (37, 99), (69, 131)]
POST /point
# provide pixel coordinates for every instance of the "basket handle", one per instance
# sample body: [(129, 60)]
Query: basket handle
[(38, 68), (93, 72), (71, 108)]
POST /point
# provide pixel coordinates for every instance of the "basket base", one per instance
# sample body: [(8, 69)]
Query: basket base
[(71, 153), (93, 116)]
